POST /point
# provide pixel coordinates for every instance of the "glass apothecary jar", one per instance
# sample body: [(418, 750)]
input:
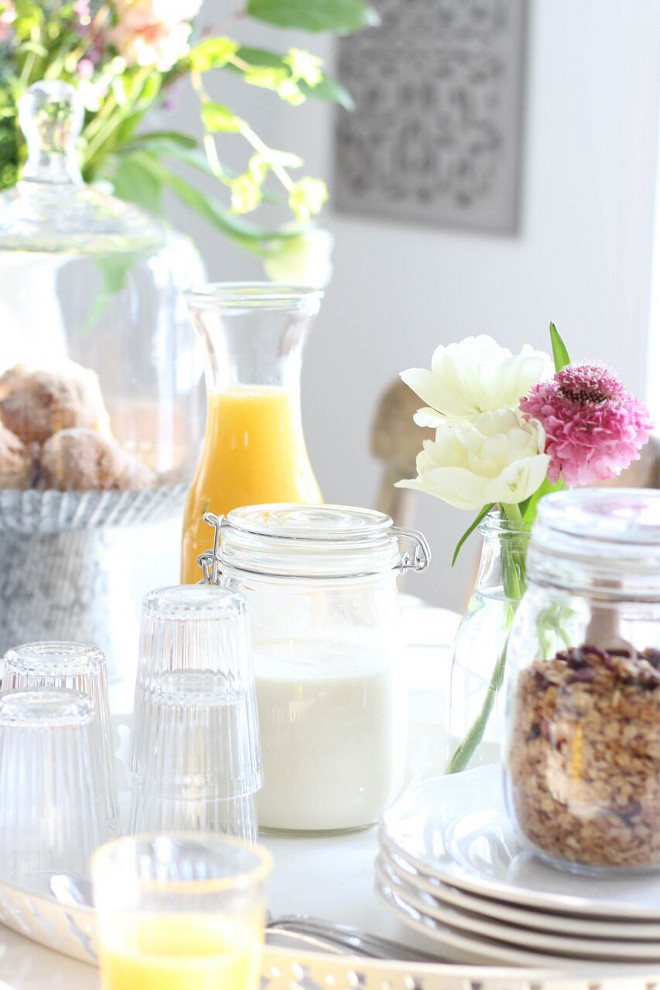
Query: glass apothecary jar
[(100, 374), (100, 386), (328, 646), (582, 762)]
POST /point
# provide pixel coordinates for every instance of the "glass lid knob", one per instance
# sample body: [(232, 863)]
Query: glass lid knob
[(51, 118)]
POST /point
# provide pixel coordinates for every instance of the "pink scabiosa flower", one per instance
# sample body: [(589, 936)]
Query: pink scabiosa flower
[(594, 428)]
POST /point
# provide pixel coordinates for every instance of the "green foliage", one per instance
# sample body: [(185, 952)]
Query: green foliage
[(325, 88), (212, 53), (247, 236), (340, 16), (218, 118), (529, 507), (50, 41), (481, 515), (135, 182), (559, 349), (115, 271)]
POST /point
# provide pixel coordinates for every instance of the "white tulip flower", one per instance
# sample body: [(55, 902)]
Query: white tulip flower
[(497, 458), (474, 376)]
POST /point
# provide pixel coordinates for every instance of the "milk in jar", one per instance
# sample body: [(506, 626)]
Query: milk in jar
[(330, 742), (329, 656)]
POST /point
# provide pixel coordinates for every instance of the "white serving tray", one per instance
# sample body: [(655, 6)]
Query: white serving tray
[(70, 931)]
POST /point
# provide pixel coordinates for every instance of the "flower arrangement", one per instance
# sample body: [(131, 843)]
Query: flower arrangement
[(126, 58), (508, 431)]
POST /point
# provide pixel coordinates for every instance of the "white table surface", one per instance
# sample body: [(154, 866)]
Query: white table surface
[(326, 876)]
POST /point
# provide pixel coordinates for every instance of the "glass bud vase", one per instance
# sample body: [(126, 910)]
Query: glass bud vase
[(254, 450), (476, 698)]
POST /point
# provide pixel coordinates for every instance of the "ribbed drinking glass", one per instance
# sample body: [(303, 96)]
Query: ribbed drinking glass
[(195, 760), (53, 794), (72, 667)]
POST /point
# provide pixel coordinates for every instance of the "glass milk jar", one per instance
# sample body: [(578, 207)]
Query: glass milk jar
[(328, 648)]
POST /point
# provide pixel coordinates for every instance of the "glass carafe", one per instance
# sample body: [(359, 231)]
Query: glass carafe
[(254, 449)]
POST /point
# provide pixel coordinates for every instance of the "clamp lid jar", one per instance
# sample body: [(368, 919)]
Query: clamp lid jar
[(320, 583), (583, 699)]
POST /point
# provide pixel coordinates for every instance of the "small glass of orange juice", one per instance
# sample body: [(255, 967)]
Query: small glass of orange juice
[(180, 912)]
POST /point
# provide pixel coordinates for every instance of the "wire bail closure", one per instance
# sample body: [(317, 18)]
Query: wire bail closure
[(420, 558), (208, 560)]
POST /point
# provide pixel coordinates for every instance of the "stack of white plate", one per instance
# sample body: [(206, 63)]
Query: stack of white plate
[(451, 867)]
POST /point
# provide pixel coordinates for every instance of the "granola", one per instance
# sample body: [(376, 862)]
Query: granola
[(584, 756)]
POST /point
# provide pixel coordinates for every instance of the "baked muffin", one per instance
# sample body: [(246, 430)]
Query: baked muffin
[(135, 475), (81, 459), (37, 402), (16, 462)]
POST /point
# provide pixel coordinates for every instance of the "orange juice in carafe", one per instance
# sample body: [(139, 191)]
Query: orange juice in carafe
[(254, 450)]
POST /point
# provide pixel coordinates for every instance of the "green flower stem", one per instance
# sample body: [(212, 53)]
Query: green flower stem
[(253, 138), (111, 116), (245, 131), (97, 124), (465, 749), (512, 559)]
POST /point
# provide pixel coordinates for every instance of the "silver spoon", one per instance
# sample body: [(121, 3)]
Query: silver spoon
[(346, 938)]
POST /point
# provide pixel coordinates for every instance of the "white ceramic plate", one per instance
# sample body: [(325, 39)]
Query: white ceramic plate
[(487, 952), (536, 920), (607, 950), (455, 828)]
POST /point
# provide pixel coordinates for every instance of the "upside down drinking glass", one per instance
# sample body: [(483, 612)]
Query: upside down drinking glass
[(195, 760), (54, 807)]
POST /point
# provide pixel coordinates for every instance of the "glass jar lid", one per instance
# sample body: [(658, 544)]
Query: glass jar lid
[(314, 541), (50, 209), (604, 539)]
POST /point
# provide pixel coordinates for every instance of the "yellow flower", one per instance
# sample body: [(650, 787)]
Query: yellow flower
[(245, 194), (307, 197), (304, 66)]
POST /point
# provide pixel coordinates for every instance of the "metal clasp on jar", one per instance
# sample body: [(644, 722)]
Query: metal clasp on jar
[(420, 557), (208, 560)]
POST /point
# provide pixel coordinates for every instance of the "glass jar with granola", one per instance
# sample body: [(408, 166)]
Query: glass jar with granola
[(582, 754)]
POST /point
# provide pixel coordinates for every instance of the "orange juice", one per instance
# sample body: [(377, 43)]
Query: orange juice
[(180, 952), (253, 452)]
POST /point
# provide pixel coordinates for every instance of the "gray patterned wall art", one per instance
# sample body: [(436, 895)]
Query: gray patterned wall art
[(436, 136)]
